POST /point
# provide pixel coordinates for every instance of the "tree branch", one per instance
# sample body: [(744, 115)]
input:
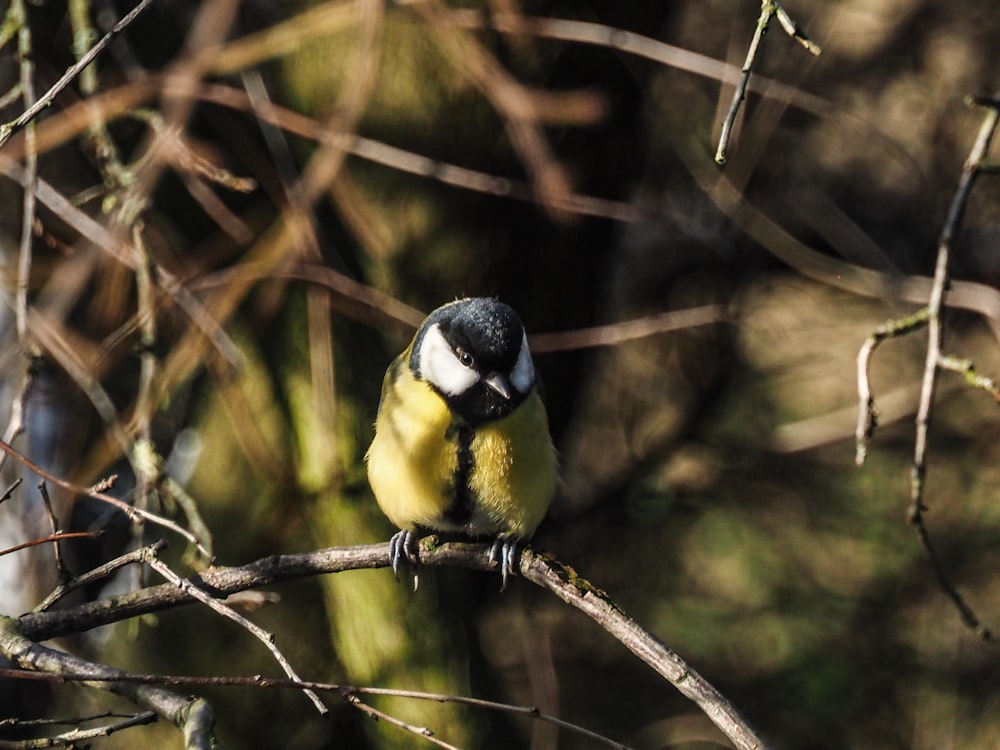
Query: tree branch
[(541, 570), (193, 716)]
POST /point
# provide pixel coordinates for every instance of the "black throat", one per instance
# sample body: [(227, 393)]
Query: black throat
[(460, 510)]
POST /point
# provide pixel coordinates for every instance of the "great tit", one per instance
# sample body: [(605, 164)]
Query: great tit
[(462, 440)]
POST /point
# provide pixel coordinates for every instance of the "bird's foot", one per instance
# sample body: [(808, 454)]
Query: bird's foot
[(504, 551), (404, 545)]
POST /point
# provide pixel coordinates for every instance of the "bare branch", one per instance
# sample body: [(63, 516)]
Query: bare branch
[(55, 537), (193, 716), (74, 737), (8, 129), (136, 515), (932, 362), (541, 570), (96, 574), (218, 607), (345, 691), (768, 9), (867, 413)]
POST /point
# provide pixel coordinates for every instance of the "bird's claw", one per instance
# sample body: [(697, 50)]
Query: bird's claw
[(403, 545), (504, 552)]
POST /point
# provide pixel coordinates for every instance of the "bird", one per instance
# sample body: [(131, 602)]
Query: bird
[(462, 442)]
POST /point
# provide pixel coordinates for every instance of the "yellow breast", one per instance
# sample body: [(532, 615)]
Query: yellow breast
[(411, 462), (514, 476), (413, 459)]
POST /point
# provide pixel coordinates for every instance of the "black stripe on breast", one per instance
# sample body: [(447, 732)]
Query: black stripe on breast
[(460, 510)]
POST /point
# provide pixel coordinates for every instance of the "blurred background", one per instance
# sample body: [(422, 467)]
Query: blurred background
[(277, 191)]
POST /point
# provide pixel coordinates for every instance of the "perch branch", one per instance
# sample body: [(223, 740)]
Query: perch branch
[(543, 571)]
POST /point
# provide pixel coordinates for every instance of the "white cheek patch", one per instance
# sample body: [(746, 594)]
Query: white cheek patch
[(522, 377), (441, 368)]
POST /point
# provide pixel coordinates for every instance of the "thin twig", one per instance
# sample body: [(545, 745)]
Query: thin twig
[(98, 573), (932, 362), (374, 713), (629, 330), (8, 129), (768, 9), (15, 426), (74, 737), (965, 612), (867, 413), (61, 570), (55, 537), (972, 377), (9, 492), (136, 515), (27, 87), (541, 570), (215, 605)]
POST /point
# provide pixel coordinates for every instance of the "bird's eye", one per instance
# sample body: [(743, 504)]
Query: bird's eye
[(465, 358)]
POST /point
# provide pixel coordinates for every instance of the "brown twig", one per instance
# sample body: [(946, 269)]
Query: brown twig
[(218, 607), (8, 129), (98, 573), (55, 537), (629, 330), (273, 683), (543, 571), (193, 716), (136, 515)]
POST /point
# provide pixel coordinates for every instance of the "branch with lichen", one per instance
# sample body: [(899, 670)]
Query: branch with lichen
[(935, 360), (542, 570)]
